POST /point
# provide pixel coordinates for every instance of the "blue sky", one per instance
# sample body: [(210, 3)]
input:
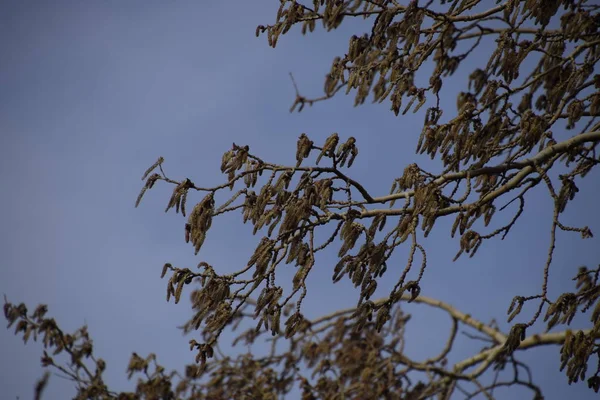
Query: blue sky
[(91, 93)]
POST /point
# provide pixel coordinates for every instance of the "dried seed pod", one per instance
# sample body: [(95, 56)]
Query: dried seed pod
[(329, 147), (347, 152)]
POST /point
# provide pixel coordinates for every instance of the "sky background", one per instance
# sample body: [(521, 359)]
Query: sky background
[(93, 92)]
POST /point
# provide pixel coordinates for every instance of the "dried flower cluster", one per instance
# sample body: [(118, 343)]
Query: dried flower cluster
[(508, 135)]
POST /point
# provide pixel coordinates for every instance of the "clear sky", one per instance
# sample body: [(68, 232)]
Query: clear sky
[(92, 92)]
